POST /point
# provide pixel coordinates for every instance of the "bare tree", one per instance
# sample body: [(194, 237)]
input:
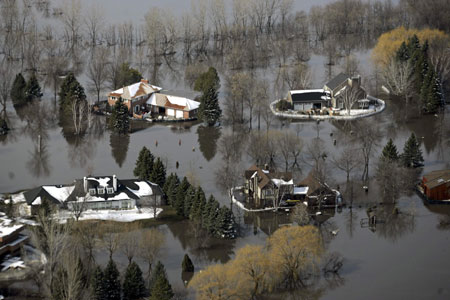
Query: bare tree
[(297, 77), (94, 22), (6, 77), (129, 242), (97, 71), (348, 160), (289, 145), (72, 22), (79, 110), (398, 78), (110, 238), (150, 246), (349, 97), (367, 136)]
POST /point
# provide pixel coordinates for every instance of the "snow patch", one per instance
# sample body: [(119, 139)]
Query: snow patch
[(37, 201), (59, 193), (144, 189), (113, 215)]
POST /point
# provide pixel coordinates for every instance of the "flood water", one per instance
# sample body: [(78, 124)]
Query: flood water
[(406, 257)]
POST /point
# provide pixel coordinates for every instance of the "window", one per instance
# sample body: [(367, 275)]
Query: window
[(113, 98), (110, 190), (101, 191), (92, 192), (136, 109)]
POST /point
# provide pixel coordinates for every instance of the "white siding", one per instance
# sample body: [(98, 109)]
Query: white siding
[(179, 114), (171, 112)]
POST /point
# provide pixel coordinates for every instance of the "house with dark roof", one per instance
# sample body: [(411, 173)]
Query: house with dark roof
[(134, 96), (11, 239), (267, 188), (342, 83), (436, 186), (304, 100)]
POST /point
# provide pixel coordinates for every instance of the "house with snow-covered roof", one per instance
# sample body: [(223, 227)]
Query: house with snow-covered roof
[(11, 238), (173, 106), (134, 96)]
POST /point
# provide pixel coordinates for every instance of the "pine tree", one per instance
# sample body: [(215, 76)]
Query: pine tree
[(390, 151), (170, 188), (33, 89), (188, 201), (158, 174), (412, 155), (225, 225), (207, 80), (119, 120), (206, 211), (180, 195), (18, 96), (210, 224), (209, 110), (187, 265), (144, 164), (111, 281), (161, 288), (198, 205), (71, 90), (97, 284), (402, 53), (127, 75), (133, 285)]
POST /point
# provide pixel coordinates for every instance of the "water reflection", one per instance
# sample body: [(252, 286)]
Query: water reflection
[(207, 140), (38, 164), (119, 147), (81, 149), (393, 223)]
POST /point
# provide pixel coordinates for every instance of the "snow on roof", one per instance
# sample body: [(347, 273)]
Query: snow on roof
[(279, 182), (102, 181), (37, 201), (187, 103), (59, 193), (12, 263), (307, 91), (144, 189), (301, 190), (89, 198), (266, 171), (6, 226), (134, 88)]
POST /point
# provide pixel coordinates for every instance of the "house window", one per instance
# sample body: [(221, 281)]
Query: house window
[(92, 192), (110, 190), (101, 191), (136, 109), (113, 98)]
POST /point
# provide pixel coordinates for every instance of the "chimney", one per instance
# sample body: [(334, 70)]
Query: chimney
[(115, 183), (85, 184)]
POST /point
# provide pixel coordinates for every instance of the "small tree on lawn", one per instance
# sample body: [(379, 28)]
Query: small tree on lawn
[(390, 151), (98, 285), (158, 174), (119, 120), (225, 225), (18, 90), (33, 89), (187, 265), (111, 281), (144, 164), (161, 288), (209, 110), (133, 285), (412, 155)]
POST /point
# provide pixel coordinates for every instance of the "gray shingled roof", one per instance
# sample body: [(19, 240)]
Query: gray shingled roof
[(336, 81)]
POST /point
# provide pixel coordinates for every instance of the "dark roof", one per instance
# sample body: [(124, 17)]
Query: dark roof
[(32, 194), (79, 189), (265, 178), (308, 97), (336, 81)]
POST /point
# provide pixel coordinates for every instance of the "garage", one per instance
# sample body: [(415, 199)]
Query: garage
[(179, 114), (171, 112)]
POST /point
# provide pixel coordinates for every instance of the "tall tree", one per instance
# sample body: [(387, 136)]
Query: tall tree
[(158, 174), (412, 154), (161, 288), (390, 151), (111, 281), (70, 93), (98, 284), (187, 265), (180, 196), (225, 225), (18, 88), (119, 121), (209, 110), (207, 80), (33, 89), (133, 285), (144, 164)]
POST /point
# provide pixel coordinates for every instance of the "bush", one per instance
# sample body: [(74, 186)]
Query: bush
[(284, 105)]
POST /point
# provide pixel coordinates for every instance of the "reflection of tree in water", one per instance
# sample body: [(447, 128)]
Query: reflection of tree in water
[(119, 147), (203, 247), (38, 162), (81, 149), (207, 139), (443, 211), (393, 222)]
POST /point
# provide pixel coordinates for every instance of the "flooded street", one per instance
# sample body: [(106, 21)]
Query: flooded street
[(404, 256)]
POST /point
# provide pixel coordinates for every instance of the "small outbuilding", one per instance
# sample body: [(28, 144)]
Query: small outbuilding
[(436, 185)]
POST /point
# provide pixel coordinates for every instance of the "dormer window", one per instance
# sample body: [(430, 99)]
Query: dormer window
[(101, 191), (92, 192), (110, 190)]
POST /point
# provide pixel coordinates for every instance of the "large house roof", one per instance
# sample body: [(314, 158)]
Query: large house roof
[(265, 177), (437, 178), (337, 81), (175, 102), (134, 90), (56, 194)]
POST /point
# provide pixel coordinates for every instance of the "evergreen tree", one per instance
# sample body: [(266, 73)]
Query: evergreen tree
[(119, 120), (390, 151), (188, 201), (206, 211), (97, 284), (111, 281), (158, 174), (180, 195), (33, 89), (210, 224), (412, 155), (225, 225), (133, 285), (3, 126), (209, 110), (18, 88), (144, 164), (71, 90), (127, 75), (198, 205), (402, 53), (170, 188), (161, 288), (207, 80), (187, 265)]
